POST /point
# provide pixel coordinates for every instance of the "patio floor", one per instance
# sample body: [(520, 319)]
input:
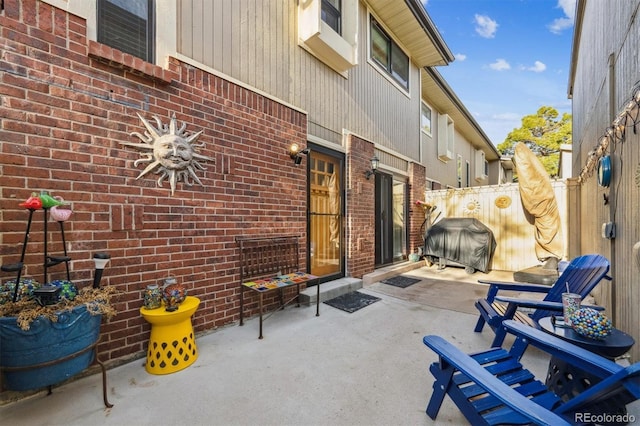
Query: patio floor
[(369, 367)]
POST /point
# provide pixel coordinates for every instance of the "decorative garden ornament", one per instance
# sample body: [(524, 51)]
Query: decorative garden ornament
[(60, 213), (152, 296), (32, 203), (48, 201), (169, 150), (173, 294)]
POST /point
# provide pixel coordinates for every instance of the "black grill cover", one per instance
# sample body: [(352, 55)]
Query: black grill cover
[(463, 240)]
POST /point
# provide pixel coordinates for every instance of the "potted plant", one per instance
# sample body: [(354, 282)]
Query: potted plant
[(48, 333)]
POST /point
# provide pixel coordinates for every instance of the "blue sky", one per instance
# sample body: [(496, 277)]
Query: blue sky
[(512, 57)]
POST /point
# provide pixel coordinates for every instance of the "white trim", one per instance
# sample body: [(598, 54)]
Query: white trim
[(480, 160), (338, 51), (430, 133), (381, 148), (166, 31), (327, 144), (393, 170), (375, 66), (230, 79), (377, 147), (446, 138)]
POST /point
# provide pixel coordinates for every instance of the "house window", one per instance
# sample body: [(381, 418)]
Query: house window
[(425, 119), (331, 14), (127, 25), (459, 171), (388, 55)]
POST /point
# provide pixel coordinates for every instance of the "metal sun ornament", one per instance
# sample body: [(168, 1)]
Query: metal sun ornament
[(169, 152), (472, 207)]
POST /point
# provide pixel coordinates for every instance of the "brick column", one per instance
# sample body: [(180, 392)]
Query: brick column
[(417, 185), (360, 230)]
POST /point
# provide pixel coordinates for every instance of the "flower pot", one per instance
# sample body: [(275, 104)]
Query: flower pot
[(49, 352)]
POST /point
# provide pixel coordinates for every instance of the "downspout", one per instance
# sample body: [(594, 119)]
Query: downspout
[(613, 199)]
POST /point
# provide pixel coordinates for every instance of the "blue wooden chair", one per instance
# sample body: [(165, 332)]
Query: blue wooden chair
[(493, 387), (581, 276)]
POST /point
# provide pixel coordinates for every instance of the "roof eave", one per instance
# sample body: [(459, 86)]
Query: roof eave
[(432, 32), (575, 46)]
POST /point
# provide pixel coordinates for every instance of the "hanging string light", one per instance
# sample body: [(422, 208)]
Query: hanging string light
[(628, 117)]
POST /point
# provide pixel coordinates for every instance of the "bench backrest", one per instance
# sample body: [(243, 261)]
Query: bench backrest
[(268, 256)]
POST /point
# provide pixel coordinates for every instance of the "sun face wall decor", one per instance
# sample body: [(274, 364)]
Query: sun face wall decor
[(169, 150), (471, 207)]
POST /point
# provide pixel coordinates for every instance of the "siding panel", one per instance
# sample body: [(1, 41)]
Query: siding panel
[(609, 28), (255, 41)]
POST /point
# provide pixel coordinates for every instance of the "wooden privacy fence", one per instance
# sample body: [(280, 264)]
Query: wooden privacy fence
[(499, 207)]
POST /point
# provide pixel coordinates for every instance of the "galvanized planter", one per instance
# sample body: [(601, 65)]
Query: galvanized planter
[(49, 352)]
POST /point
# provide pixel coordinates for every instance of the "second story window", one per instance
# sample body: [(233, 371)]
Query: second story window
[(127, 25), (331, 14), (425, 119), (388, 55)]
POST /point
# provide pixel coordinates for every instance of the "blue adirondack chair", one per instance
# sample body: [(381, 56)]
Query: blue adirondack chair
[(493, 387), (580, 276)]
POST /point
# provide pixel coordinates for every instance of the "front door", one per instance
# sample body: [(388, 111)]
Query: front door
[(391, 206), (326, 207)]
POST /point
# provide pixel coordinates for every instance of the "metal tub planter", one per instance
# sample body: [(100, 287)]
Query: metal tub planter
[(48, 352), (49, 333)]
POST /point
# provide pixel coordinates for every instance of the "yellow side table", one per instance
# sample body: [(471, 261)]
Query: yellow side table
[(172, 345)]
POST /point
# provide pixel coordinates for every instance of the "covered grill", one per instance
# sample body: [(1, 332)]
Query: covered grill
[(463, 242)]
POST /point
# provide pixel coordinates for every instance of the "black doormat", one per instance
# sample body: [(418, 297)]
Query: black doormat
[(351, 302), (400, 281)]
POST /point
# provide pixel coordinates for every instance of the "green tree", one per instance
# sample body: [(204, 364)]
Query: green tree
[(543, 133)]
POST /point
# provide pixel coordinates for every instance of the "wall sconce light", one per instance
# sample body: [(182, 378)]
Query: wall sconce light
[(374, 166), (296, 154)]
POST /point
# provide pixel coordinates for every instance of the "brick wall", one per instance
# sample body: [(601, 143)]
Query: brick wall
[(417, 184), (66, 104), (360, 229)]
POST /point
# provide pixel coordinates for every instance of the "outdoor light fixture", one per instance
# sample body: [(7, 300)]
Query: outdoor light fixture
[(296, 154), (101, 260), (374, 166)]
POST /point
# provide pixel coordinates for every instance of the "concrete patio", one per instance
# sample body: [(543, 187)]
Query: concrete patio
[(365, 368)]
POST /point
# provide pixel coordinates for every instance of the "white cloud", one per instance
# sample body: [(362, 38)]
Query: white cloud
[(507, 116), (560, 24), (500, 65), (537, 67), (460, 57), (567, 6), (485, 26)]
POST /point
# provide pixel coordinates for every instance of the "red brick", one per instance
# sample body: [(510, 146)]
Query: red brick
[(148, 231)]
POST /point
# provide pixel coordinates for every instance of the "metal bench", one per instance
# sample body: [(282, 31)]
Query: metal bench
[(269, 264)]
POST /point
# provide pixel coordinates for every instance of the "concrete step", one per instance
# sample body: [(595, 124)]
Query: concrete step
[(390, 271), (329, 290), (338, 287)]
